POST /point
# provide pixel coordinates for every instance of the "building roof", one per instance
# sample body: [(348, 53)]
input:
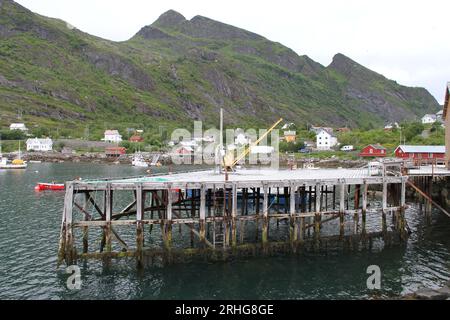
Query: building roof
[(376, 146), (422, 149), (431, 115), (440, 112), (111, 132), (44, 140), (327, 130), (136, 138)]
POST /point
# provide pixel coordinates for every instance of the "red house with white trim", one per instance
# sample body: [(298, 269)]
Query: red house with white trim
[(373, 150), (420, 152)]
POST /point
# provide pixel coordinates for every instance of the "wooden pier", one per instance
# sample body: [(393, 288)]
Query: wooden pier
[(255, 212)]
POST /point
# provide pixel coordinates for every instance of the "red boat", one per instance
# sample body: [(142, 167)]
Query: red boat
[(49, 186)]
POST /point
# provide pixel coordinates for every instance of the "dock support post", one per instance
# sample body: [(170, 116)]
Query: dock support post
[(233, 216), (402, 218), (86, 228), (202, 214), (293, 220), (317, 217), (301, 232), (364, 209), (356, 208), (167, 237), (384, 208), (265, 218), (429, 190), (139, 225), (341, 208), (108, 214), (69, 250)]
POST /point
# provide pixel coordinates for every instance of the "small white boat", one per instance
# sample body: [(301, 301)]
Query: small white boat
[(139, 161), (15, 164)]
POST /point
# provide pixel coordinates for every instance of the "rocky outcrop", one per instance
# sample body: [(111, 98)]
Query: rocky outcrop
[(153, 33), (169, 19), (373, 93), (118, 66)]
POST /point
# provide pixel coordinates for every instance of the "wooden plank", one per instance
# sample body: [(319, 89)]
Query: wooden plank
[(139, 202), (203, 202), (384, 203), (169, 204), (341, 197), (234, 201)]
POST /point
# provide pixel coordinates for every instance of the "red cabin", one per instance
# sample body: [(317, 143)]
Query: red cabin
[(420, 152), (115, 151), (136, 138), (373, 150)]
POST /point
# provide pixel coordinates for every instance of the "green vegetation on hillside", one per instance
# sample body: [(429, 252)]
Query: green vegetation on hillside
[(66, 83)]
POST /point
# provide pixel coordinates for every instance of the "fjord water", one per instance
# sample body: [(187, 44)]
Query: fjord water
[(29, 232)]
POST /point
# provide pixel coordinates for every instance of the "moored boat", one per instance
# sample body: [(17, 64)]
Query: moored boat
[(139, 161), (42, 186), (15, 164)]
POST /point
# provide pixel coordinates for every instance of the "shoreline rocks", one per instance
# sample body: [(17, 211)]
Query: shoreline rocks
[(430, 294)]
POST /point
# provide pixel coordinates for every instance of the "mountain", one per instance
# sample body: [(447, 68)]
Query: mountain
[(176, 70)]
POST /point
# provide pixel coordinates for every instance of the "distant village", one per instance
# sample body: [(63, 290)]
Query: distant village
[(322, 139)]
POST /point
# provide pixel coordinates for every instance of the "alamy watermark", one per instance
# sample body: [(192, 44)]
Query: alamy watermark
[(74, 280), (210, 147), (374, 280)]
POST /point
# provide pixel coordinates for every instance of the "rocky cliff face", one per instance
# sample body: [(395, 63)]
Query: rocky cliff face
[(176, 70)]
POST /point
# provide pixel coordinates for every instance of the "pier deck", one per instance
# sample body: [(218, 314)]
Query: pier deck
[(429, 171), (261, 175)]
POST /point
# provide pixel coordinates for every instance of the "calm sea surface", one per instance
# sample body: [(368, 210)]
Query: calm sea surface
[(29, 232)]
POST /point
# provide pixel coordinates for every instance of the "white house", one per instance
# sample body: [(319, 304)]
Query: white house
[(287, 126), (429, 118), (242, 139), (18, 126), (316, 130), (36, 144), (112, 136), (391, 126), (325, 140), (439, 115)]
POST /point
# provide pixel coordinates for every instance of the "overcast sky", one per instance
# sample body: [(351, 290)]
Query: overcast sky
[(407, 41)]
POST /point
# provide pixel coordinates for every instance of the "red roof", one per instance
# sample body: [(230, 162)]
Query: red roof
[(136, 138), (373, 151), (115, 150)]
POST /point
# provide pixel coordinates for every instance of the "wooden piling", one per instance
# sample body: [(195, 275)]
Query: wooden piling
[(384, 207), (108, 214), (341, 209), (292, 219), (317, 217), (265, 225), (139, 225), (68, 248), (234, 215), (202, 214), (86, 228)]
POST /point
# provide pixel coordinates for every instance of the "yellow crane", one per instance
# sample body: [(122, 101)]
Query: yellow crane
[(229, 163)]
